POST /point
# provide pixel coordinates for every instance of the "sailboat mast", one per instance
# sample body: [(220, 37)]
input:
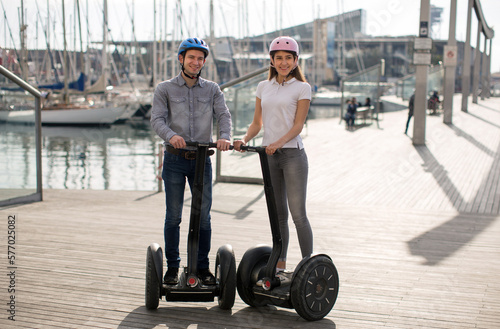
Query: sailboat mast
[(165, 44), (65, 57), (105, 43), (212, 41), (153, 78), (24, 68), (81, 38), (172, 41), (47, 38)]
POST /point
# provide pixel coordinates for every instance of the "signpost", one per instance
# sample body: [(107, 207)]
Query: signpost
[(422, 59)]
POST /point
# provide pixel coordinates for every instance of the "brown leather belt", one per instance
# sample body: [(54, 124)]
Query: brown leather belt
[(186, 154)]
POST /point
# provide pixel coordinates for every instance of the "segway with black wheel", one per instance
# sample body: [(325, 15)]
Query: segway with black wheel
[(190, 287), (314, 285)]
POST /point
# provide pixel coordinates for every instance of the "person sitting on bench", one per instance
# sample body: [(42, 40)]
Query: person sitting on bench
[(350, 115)]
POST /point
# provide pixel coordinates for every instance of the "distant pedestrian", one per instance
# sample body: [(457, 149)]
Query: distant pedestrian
[(411, 105)]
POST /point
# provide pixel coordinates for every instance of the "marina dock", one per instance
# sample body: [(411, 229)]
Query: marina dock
[(413, 231)]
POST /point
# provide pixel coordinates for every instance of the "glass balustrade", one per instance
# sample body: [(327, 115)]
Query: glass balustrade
[(364, 85), (435, 81), (240, 99), (20, 167)]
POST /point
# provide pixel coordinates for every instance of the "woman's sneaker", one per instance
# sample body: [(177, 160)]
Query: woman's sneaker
[(285, 277)]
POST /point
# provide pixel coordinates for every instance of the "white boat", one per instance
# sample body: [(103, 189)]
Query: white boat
[(67, 115), (326, 97)]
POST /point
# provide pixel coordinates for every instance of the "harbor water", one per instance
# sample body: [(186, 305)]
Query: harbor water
[(116, 157)]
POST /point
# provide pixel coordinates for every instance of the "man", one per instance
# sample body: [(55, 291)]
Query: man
[(183, 110), (411, 105)]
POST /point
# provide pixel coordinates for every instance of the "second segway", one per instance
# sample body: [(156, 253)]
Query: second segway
[(315, 283)]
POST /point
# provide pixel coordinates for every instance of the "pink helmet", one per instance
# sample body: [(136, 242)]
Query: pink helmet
[(286, 44)]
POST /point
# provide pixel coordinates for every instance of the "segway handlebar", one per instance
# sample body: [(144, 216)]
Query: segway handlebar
[(207, 144), (257, 149)]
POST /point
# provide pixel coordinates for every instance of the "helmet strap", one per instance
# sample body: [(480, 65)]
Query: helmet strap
[(189, 76), (289, 73)]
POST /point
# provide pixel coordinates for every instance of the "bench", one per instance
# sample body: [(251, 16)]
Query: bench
[(363, 112)]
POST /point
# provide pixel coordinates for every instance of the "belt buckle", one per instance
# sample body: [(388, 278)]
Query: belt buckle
[(190, 155)]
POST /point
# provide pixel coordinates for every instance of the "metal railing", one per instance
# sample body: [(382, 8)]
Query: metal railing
[(240, 84), (9, 199)]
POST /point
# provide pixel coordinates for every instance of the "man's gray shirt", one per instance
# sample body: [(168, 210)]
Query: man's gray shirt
[(188, 112)]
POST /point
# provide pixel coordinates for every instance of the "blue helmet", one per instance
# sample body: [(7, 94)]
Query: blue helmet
[(193, 43)]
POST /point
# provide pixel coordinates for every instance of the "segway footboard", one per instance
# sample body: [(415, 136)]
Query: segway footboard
[(181, 293), (279, 296)]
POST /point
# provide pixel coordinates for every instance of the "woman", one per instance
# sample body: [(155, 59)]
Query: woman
[(281, 106)]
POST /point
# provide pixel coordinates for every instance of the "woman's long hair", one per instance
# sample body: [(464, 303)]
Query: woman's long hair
[(296, 72)]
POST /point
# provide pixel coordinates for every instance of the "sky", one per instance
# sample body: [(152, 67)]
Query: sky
[(232, 17)]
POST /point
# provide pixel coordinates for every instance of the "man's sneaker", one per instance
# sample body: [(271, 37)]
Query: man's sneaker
[(171, 276), (206, 276), (285, 277)]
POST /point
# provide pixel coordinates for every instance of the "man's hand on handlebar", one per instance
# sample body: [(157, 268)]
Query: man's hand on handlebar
[(178, 142), (223, 145)]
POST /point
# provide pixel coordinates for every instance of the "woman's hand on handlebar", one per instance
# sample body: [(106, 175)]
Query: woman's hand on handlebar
[(237, 145), (271, 148)]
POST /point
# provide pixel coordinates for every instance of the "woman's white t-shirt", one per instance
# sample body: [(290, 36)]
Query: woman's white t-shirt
[(279, 106)]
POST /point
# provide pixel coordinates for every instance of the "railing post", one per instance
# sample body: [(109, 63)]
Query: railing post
[(381, 72), (160, 167), (341, 100)]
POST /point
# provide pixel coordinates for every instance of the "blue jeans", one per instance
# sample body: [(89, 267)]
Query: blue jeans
[(289, 170), (175, 171), (349, 118)]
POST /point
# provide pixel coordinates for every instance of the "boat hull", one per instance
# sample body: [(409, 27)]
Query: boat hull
[(67, 116)]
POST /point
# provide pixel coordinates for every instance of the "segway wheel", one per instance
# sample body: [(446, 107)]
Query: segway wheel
[(225, 273), (152, 284), (315, 288), (247, 276)]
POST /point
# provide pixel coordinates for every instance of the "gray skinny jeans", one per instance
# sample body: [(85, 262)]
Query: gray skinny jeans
[(289, 169)]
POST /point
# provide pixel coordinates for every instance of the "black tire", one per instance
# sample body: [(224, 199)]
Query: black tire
[(152, 284), (252, 262), (225, 273), (315, 288)]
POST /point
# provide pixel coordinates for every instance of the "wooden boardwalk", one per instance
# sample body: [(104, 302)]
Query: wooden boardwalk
[(413, 232)]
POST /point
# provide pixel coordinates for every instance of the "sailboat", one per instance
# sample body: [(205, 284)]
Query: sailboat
[(94, 106)]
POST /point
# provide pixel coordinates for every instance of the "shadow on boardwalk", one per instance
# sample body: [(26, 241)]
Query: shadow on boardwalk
[(444, 240), (210, 318)]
